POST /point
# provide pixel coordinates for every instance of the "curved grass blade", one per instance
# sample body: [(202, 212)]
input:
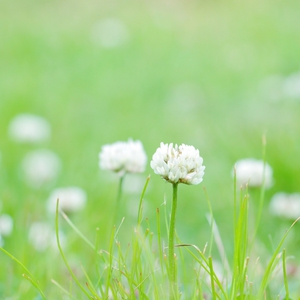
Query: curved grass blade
[(30, 278)]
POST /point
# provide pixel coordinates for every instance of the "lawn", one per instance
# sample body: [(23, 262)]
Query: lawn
[(215, 75)]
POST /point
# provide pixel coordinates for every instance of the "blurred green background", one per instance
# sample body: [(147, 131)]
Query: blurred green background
[(213, 74)]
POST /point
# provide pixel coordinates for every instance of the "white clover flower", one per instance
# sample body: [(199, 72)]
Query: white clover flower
[(41, 235), (123, 157), (71, 199), (285, 205), (40, 167), (109, 33), (28, 128), (6, 225), (250, 171), (178, 164)]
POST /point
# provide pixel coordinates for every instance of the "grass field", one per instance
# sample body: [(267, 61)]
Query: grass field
[(216, 75)]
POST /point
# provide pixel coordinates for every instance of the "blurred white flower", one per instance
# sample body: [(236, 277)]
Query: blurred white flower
[(40, 167), (29, 128), (179, 164), (252, 171), (123, 157), (109, 33), (218, 270), (278, 87), (41, 236), (285, 205), (71, 199), (6, 225), (291, 86)]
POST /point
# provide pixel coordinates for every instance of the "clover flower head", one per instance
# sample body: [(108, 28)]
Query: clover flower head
[(71, 199), (123, 157), (178, 164), (251, 171), (29, 128), (285, 205)]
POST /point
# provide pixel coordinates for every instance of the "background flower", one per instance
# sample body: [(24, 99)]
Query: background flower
[(285, 205), (109, 33), (71, 199), (41, 236), (250, 171), (29, 128), (40, 167), (6, 225), (179, 164), (122, 157)]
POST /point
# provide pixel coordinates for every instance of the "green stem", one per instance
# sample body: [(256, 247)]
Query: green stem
[(172, 268), (117, 205)]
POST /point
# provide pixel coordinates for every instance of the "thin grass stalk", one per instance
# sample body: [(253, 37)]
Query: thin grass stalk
[(97, 242), (262, 190), (244, 277), (286, 285), (81, 235), (63, 255), (144, 243), (198, 293), (184, 276), (244, 243), (212, 282), (234, 196), (204, 263), (118, 200), (89, 284), (172, 268), (159, 239), (63, 289), (269, 268), (135, 256), (211, 223), (30, 278), (240, 244), (110, 266), (139, 219), (218, 241)]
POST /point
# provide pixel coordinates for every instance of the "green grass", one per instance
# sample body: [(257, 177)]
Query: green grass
[(93, 96)]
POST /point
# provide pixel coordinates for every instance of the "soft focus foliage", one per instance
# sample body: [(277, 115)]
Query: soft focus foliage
[(216, 75)]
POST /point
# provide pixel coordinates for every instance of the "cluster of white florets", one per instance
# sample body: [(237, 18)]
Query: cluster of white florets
[(178, 164)]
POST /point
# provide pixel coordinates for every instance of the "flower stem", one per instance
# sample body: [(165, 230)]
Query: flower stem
[(117, 204), (172, 268)]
